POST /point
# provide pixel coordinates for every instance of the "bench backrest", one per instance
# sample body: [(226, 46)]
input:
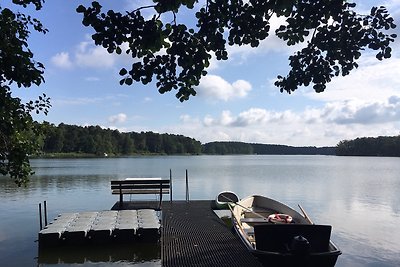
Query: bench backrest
[(140, 184)]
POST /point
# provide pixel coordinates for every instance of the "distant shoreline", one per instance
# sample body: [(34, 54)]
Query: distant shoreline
[(72, 141)]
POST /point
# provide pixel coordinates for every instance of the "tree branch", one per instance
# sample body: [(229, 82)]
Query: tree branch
[(143, 7)]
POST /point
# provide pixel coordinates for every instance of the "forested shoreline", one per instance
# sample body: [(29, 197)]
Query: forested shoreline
[(226, 148), (77, 141), (93, 141), (384, 146)]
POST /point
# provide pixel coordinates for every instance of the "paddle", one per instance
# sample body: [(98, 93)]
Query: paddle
[(305, 214), (246, 208)]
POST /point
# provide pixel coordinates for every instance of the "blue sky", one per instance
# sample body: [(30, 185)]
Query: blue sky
[(236, 101)]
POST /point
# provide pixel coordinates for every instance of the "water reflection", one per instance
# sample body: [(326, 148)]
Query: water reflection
[(129, 254), (372, 227), (358, 196)]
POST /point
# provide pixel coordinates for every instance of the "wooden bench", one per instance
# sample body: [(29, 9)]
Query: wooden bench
[(141, 186)]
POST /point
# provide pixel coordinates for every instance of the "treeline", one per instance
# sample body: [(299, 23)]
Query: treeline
[(98, 141), (94, 140), (387, 146), (227, 148)]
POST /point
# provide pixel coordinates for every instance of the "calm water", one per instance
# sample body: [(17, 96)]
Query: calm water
[(358, 196)]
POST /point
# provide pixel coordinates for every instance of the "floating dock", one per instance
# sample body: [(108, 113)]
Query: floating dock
[(101, 227), (191, 234)]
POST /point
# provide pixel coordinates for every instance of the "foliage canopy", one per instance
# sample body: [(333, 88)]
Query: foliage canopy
[(333, 34), (18, 131)]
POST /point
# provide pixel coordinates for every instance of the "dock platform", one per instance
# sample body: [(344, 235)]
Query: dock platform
[(193, 235), (101, 227)]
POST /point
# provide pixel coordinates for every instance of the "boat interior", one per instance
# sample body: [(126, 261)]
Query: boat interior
[(263, 235)]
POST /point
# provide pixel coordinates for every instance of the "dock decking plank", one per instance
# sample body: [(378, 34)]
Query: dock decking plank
[(193, 235)]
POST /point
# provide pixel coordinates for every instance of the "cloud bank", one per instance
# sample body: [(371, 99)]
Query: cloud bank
[(322, 126)]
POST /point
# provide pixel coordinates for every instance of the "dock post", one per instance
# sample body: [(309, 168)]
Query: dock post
[(161, 193), (170, 185), (40, 216), (45, 212), (187, 186)]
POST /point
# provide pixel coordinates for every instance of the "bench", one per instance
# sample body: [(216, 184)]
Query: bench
[(141, 186), (253, 220)]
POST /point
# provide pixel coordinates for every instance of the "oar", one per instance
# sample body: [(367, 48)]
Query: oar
[(246, 208), (305, 214)]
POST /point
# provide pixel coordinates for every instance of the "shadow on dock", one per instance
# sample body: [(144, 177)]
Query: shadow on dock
[(135, 205)]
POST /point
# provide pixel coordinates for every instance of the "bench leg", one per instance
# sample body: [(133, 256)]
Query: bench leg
[(161, 193), (121, 200)]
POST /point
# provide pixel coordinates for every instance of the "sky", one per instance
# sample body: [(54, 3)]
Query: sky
[(236, 101)]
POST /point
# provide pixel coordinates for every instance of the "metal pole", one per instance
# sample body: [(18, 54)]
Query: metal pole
[(161, 193), (45, 213), (170, 185), (187, 186), (40, 216)]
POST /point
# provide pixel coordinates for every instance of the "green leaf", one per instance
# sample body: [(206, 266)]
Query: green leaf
[(80, 9), (128, 81), (123, 72)]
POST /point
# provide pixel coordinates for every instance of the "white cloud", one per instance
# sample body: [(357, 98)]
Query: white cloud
[(226, 118), (214, 63), (373, 80), (80, 101), (62, 60), (214, 88), (208, 120), (119, 118), (327, 125), (251, 117), (89, 55), (185, 118), (87, 101), (366, 113)]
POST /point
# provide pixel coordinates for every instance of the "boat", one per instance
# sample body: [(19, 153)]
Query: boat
[(224, 198), (280, 236)]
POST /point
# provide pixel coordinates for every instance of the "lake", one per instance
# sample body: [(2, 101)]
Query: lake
[(358, 196)]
